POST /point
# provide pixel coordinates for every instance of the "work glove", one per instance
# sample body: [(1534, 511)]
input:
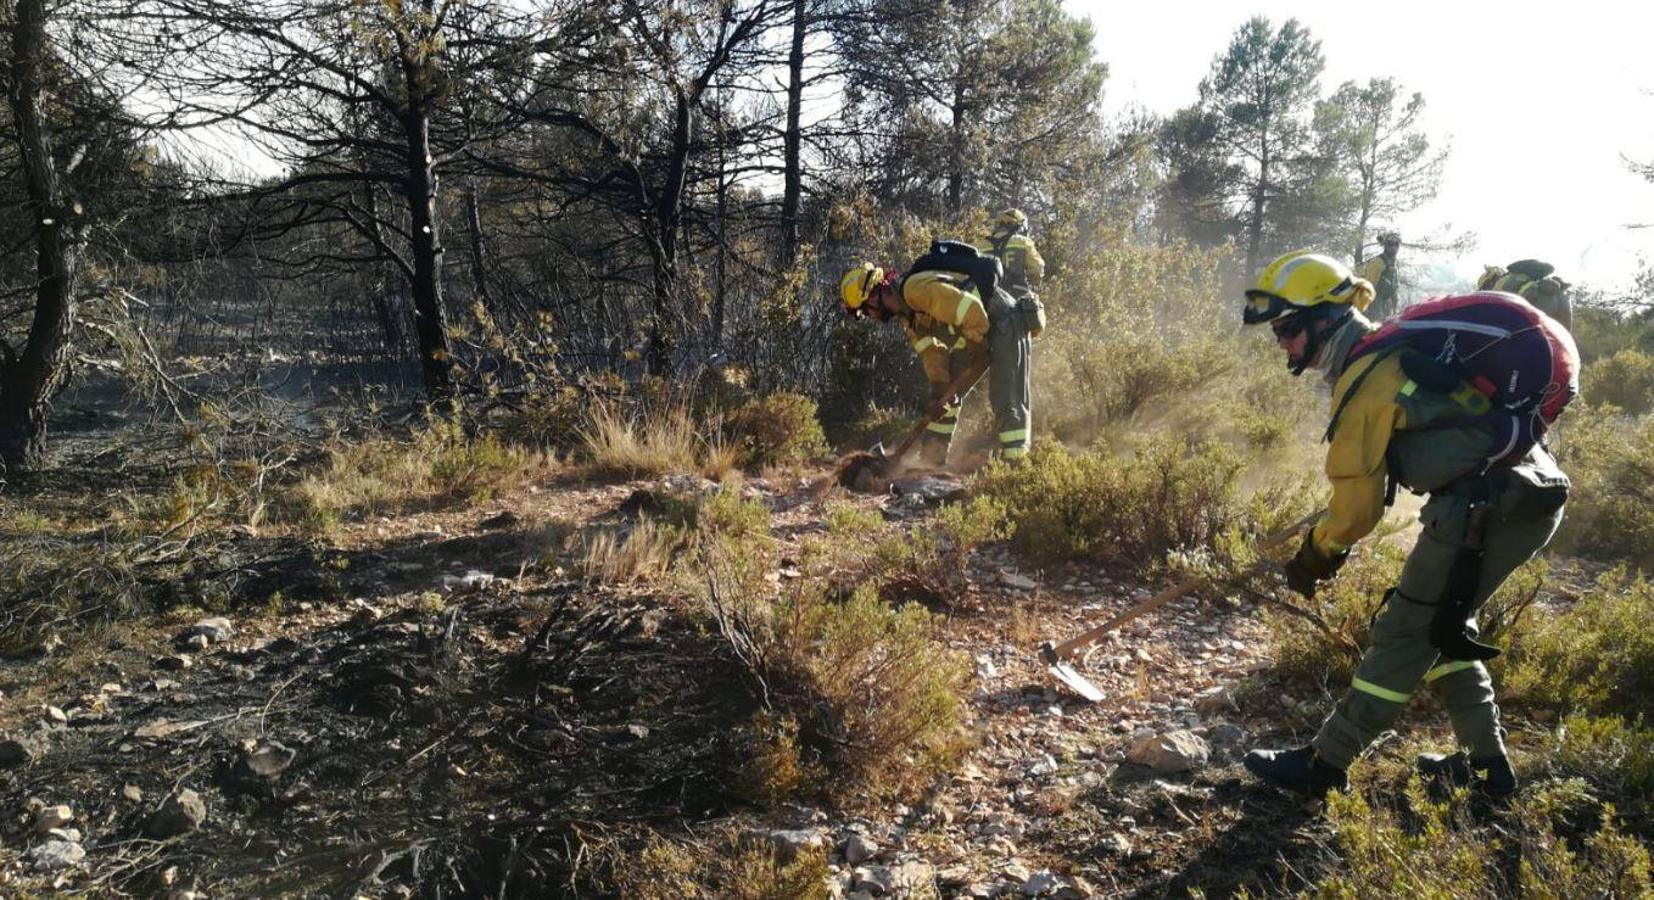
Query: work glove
[(1310, 565)]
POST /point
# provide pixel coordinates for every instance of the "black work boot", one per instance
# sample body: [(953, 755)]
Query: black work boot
[(1296, 770), (1490, 776)]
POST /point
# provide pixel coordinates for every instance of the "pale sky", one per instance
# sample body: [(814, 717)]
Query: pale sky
[(1539, 100)]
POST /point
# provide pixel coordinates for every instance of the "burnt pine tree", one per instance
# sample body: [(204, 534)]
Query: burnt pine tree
[(30, 376)]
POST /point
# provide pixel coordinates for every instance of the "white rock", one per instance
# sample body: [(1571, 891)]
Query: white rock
[(859, 849), (789, 843), (875, 880), (49, 817), (53, 856), (1174, 751), (1016, 581), (216, 629), (1041, 882)]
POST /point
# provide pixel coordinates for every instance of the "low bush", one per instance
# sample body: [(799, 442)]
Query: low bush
[(642, 552), (1625, 380), (381, 475), (1434, 848), (727, 865), (1609, 751), (1097, 505), (1596, 655), (776, 430), (1610, 459), (649, 442), (849, 688)]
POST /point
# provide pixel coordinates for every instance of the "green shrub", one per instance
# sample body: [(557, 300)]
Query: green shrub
[(852, 689), (1307, 653), (1610, 459), (1434, 848), (643, 552), (381, 475), (1608, 751), (725, 866), (654, 440), (1096, 505), (1625, 380), (777, 430), (1595, 656)]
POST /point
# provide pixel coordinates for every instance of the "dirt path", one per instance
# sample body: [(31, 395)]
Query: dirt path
[(469, 718)]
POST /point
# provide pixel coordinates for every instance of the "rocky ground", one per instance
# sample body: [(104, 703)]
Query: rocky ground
[(475, 720)]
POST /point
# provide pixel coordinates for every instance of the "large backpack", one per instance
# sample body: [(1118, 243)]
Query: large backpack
[(1521, 359), (960, 258)]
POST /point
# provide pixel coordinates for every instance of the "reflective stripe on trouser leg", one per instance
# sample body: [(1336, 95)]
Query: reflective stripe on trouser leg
[(1399, 655), (1010, 383)]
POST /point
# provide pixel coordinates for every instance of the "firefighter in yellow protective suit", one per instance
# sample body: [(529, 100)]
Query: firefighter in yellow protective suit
[(1010, 244), (1535, 282), (951, 326), (1479, 524), (1382, 274)]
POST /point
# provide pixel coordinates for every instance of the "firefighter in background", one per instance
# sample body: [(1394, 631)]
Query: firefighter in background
[(952, 327), (1535, 282), (1382, 274), (1009, 242)]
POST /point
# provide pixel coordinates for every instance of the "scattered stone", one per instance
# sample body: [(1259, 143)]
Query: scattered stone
[(1017, 582), (979, 890), (789, 843), (1227, 734), (132, 793), (429, 534), (21, 750), (912, 875), (859, 849), (875, 880), (1216, 700), (1015, 871), (47, 818), (637, 732), (506, 519), (56, 855), (72, 835), (216, 630), (161, 729), (182, 813), (1040, 883), (1118, 844), (174, 663), (472, 580), (266, 759), (1174, 751), (196, 642)]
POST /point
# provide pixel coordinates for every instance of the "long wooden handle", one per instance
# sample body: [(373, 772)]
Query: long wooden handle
[(959, 384), (1182, 588)]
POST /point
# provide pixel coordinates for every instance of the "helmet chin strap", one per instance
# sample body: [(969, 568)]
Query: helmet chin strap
[(1315, 337)]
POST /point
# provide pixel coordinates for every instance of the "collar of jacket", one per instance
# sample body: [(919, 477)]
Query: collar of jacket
[(1335, 351)]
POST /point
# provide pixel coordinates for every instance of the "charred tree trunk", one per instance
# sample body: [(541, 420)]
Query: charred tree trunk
[(28, 380), (668, 217), (479, 263), (430, 320), (792, 191)]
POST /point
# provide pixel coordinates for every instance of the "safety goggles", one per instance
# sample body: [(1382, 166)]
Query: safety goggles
[(1265, 307), (1288, 327)]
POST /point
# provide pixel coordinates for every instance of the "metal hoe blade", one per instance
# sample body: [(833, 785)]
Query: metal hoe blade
[(1066, 674)]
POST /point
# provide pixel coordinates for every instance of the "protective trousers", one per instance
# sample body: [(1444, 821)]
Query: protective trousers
[(1010, 386), (1399, 654)]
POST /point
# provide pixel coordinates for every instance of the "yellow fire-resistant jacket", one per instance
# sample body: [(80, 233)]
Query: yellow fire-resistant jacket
[(944, 317), (1022, 261), (1377, 419)]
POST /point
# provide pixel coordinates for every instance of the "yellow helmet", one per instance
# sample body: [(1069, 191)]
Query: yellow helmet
[(857, 284), (1010, 220), (1299, 281)]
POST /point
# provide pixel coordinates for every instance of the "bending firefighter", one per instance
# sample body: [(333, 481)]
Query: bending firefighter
[(951, 326), (1402, 417)]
